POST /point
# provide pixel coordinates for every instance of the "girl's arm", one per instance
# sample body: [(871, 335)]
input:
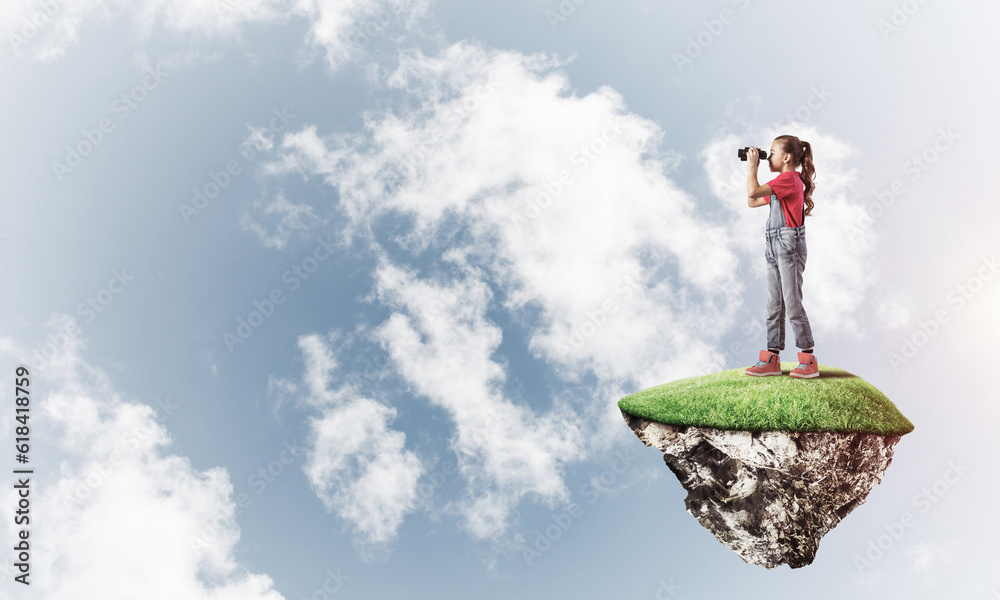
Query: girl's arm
[(754, 189), (755, 202)]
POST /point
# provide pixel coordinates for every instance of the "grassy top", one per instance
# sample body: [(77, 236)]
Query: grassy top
[(834, 401)]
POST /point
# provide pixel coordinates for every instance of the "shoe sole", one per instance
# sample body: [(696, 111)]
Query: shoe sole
[(810, 376), (763, 374)]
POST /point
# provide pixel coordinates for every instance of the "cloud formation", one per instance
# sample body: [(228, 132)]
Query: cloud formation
[(356, 464), (46, 29), (508, 193), (441, 343), (343, 29), (117, 502), (565, 203), (277, 221)]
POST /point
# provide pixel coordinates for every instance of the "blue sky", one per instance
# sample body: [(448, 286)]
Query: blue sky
[(336, 299)]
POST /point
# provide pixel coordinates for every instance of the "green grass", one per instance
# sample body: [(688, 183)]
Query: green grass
[(835, 401)]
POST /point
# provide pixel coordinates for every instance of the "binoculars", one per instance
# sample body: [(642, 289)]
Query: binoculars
[(742, 153)]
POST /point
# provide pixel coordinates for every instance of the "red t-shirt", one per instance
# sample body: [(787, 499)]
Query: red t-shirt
[(789, 190)]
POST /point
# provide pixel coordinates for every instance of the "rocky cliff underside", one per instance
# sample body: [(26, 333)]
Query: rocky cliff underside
[(770, 496)]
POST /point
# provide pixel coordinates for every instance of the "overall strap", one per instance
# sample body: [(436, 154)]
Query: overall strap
[(803, 201)]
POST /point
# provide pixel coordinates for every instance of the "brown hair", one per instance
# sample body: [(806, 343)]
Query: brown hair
[(801, 153)]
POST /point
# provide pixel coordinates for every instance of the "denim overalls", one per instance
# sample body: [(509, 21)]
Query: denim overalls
[(785, 249)]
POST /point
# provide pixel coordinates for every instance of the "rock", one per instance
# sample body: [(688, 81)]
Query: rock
[(772, 495)]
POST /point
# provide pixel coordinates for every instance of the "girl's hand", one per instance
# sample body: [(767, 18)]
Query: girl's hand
[(753, 158)]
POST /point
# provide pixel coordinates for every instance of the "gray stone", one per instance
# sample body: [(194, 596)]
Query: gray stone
[(772, 495)]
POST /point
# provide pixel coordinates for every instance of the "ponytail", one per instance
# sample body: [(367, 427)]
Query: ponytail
[(808, 174), (801, 153)]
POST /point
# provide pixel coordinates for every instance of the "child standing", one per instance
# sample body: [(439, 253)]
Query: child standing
[(789, 196)]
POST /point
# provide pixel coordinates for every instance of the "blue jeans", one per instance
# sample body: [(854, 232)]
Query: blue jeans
[(785, 250)]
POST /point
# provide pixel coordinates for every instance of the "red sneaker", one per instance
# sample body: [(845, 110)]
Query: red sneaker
[(808, 367), (767, 365)]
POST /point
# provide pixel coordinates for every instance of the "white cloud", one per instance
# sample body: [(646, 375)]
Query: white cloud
[(629, 282), (360, 469), (356, 464), (259, 138), (276, 222), (895, 311), (280, 390), (441, 342), (46, 29), (929, 559), (108, 499), (346, 28), (320, 364)]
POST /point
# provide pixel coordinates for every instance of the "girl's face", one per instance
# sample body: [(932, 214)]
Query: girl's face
[(776, 157)]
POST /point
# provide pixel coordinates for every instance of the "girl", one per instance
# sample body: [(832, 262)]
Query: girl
[(789, 196)]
